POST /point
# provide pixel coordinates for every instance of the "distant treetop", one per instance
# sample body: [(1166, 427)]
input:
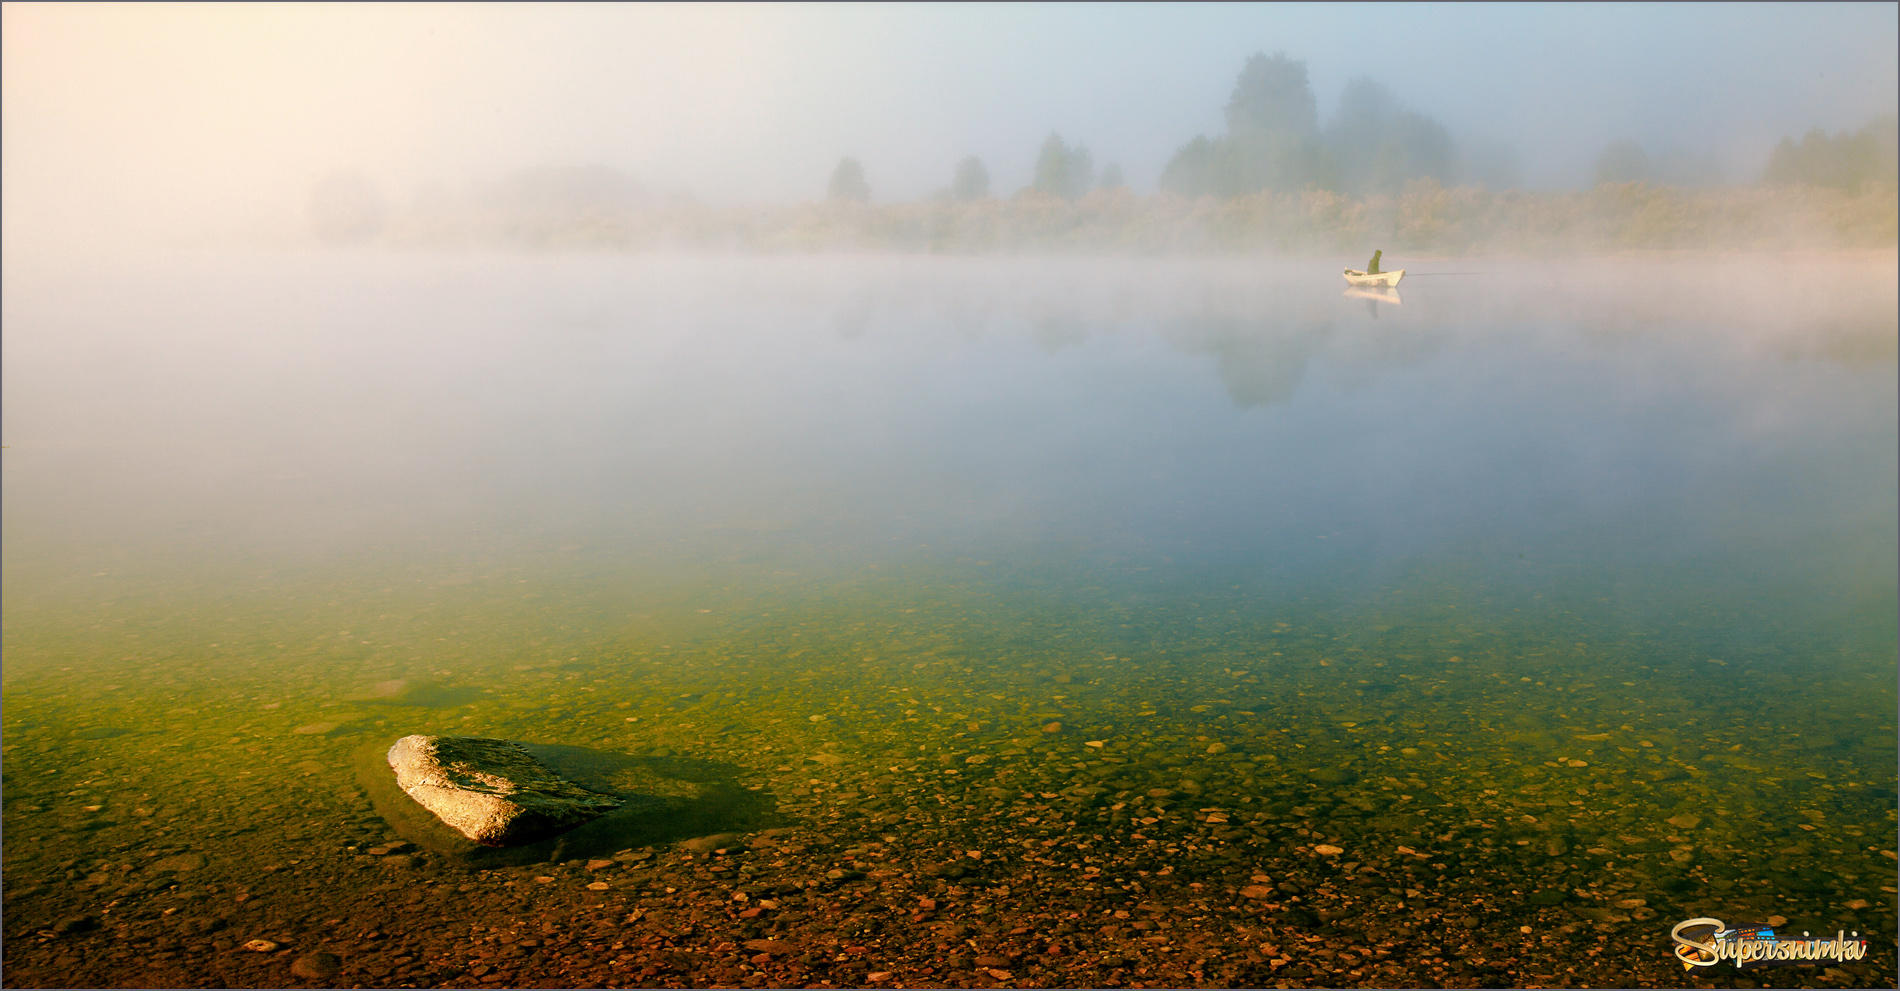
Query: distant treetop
[(1062, 170), (1867, 157), (972, 181), (848, 183), (1272, 96)]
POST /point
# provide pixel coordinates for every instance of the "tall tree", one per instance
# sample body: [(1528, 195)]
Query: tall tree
[(1062, 170), (1111, 177), (972, 181), (1272, 96), (1842, 161), (1377, 145), (1271, 140), (847, 182)]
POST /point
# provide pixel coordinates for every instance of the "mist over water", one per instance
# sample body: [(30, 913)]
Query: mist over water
[(1239, 567), (923, 463), (1144, 425)]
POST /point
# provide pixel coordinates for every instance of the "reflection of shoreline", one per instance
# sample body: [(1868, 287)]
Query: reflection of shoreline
[(1262, 350), (1263, 321), (1831, 306)]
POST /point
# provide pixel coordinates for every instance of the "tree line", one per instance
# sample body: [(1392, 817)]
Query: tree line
[(1063, 170), (1373, 144), (1375, 167)]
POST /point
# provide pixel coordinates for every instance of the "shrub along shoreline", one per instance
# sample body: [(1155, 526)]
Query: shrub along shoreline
[(1425, 218)]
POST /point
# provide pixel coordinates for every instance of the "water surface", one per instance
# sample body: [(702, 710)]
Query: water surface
[(1550, 597)]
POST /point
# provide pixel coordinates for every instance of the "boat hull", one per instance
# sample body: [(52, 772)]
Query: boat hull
[(1389, 279)]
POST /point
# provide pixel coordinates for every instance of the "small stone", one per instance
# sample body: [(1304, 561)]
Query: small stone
[(1858, 904), (1256, 891), (316, 966), (772, 947), (594, 865), (599, 886), (316, 729), (707, 844), (260, 946), (878, 976), (1217, 748), (399, 861), (178, 863), (1684, 821), (1097, 744), (1046, 728), (1327, 850)]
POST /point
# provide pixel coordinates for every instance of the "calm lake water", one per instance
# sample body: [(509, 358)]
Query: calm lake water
[(1559, 602)]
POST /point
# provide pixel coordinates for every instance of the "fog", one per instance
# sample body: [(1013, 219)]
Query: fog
[(124, 120), (947, 430)]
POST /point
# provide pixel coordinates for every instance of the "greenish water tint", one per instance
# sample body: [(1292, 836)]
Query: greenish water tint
[(1578, 586)]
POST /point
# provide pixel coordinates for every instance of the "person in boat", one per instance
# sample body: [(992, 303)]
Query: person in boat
[(1372, 267)]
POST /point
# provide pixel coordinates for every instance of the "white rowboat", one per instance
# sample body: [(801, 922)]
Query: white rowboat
[(1359, 278)]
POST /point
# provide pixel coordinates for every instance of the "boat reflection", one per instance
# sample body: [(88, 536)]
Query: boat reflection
[(1374, 297), (1377, 295)]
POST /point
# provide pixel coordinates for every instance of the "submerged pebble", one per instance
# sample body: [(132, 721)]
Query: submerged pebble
[(316, 966)]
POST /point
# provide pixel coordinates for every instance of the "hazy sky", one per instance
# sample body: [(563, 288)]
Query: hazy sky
[(170, 111)]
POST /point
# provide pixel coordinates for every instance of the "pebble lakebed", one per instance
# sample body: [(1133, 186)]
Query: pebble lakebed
[(918, 798)]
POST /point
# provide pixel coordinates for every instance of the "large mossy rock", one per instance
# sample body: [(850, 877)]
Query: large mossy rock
[(492, 791)]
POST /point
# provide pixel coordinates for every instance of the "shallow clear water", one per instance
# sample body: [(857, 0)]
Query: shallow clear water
[(1514, 569)]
